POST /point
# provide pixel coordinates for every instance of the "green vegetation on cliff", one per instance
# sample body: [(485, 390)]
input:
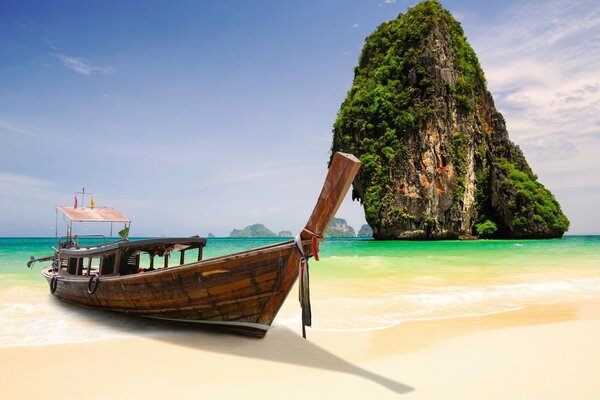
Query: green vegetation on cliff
[(459, 151), (531, 202), (486, 229), (431, 143)]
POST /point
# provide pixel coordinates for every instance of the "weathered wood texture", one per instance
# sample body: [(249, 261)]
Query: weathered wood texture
[(340, 176), (232, 288)]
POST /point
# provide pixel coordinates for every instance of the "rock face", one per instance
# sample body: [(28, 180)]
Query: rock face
[(339, 228), (285, 234), (365, 231), (437, 162), (256, 230)]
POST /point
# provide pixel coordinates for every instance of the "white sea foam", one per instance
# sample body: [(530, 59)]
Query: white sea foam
[(32, 318), (385, 310)]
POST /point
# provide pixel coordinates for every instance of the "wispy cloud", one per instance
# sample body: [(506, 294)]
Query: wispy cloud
[(80, 66), (9, 179), (11, 129), (257, 174), (386, 2), (542, 68), (354, 26), (25, 199)]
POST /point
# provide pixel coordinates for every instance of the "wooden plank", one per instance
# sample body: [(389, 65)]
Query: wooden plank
[(152, 292), (289, 275), (341, 174), (118, 257)]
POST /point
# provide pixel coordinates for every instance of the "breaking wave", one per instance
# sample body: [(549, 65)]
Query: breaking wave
[(383, 311)]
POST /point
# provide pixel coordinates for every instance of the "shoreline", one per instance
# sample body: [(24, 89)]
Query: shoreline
[(426, 320), (543, 351)]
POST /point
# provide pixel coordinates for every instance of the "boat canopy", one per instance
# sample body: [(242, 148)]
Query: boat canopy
[(97, 214)]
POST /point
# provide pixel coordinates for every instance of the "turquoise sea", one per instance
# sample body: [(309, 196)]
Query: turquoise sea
[(359, 284)]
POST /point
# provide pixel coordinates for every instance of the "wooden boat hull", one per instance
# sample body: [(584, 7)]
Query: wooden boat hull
[(238, 293)]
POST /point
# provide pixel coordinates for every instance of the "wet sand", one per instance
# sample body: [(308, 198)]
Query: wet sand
[(546, 352)]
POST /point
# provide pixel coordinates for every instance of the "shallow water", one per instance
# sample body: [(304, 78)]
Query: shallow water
[(358, 285)]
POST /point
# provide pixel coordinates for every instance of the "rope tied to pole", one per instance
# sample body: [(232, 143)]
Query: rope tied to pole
[(314, 242), (304, 290)]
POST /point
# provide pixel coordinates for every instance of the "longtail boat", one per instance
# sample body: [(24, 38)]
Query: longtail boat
[(240, 292)]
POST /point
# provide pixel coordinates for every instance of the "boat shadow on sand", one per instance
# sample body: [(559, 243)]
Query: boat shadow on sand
[(280, 345)]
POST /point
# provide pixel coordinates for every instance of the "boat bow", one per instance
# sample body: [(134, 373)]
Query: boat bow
[(341, 174)]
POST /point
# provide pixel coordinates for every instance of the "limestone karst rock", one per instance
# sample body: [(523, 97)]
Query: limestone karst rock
[(338, 227), (437, 162), (365, 231)]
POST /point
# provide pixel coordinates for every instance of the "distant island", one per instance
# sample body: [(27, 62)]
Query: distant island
[(338, 228), (256, 230), (365, 231)]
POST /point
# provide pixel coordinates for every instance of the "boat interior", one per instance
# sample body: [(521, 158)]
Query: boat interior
[(125, 258)]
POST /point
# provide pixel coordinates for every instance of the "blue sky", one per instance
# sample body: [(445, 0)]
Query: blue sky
[(196, 117)]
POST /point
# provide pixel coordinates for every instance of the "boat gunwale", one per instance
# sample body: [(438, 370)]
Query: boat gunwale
[(177, 268), (125, 244)]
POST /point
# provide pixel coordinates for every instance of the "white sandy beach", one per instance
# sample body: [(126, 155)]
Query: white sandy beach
[(541, 352)]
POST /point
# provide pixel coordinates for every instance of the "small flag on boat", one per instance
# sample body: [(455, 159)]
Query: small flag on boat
[(75, 202), (92, 203)]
